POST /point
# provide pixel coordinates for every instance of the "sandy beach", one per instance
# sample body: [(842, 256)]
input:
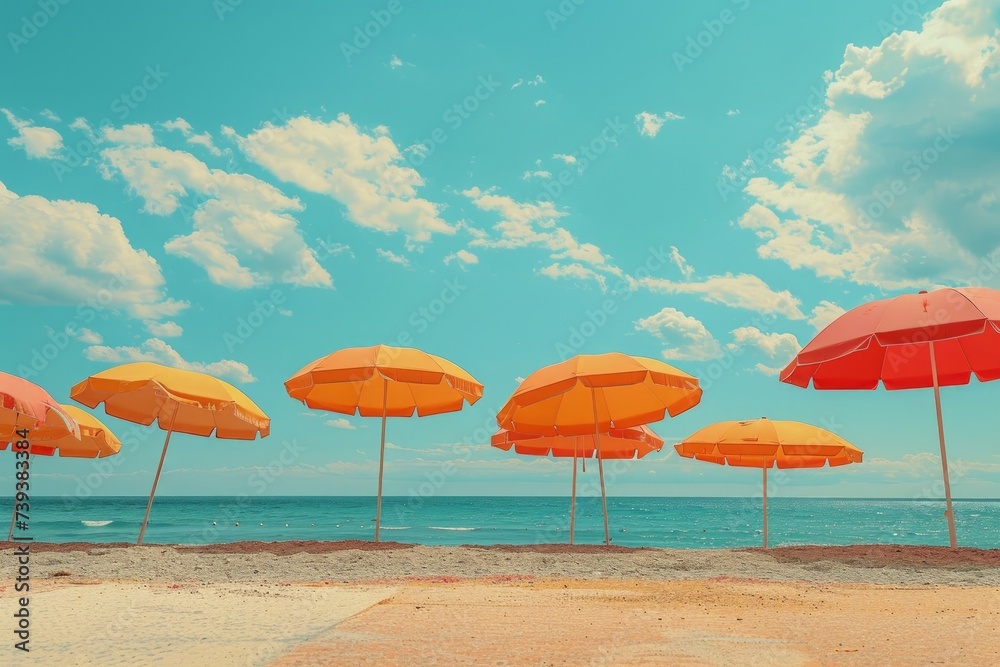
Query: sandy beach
[(347, 603)]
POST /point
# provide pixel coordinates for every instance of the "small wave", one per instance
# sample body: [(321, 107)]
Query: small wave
[(96, 524), (395, 527), (449, 528)]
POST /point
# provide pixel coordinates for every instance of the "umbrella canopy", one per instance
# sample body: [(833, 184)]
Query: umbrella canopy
[(762, 443), (592, 394), (178, 400), (384, 381), (930, 339), (622, 390), (25, 405), (625, 443), (96, 440)]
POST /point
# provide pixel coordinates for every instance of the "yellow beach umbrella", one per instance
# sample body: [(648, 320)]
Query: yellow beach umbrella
[(594, 393), (96, 441), (383, 381), (178, 400), (762, 443)]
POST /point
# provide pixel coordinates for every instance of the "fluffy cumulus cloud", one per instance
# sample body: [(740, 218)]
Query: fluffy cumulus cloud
[(685, 337), (892, 185), (824, 313), (650, 124), (203, 139), (243, 232), (363, 171), (535, 225), (744, 291), (68, 253), (340, 422), (35, 140), (160, 352), (779, 348)]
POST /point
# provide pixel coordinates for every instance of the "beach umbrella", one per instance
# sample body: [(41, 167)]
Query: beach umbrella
[(383, 381), (592, 394), (25, 405), (26, 408), (96, 441), (621, 443), (914, 341), (762, 443), (178, 400)]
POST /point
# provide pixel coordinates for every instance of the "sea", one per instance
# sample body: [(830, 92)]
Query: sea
[(689, 523)]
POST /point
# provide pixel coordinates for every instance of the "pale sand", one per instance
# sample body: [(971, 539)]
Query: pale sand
[(509, 606)]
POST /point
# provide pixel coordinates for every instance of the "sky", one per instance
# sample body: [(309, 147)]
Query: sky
[(240, 188)]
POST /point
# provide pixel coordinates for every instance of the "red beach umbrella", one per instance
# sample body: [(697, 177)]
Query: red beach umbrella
[(931, 339)]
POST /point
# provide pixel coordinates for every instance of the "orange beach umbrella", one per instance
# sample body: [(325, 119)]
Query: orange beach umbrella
[(96, 440), (762, 443), (592, 394), (383, 381), (178, 400), (623, 443)]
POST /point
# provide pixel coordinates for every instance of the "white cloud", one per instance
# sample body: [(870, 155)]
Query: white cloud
[(686, 337), (395, 62), (48, 114), (463, 256), (576, 271), (733, 112), (890, 185), (89, 337), (524, 224), (568, 159), (160, 352), (650, 124), (60, 252), (745, 291), (164, 329), (778, 347), (243, 235), (390, 256), (204, 139), (36, 141), (539, 103), (364, 172), (824, 313), (528, 175), (341, 422), (682, 264), (130, 134)]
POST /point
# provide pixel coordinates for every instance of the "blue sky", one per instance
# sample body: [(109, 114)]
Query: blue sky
[(244, 187)]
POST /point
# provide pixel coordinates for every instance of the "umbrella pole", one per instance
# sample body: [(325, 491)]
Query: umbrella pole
[(156, 478), (949, 510), (765, 507), (600, 468), (13, 514), (572, 501), (381, 459)]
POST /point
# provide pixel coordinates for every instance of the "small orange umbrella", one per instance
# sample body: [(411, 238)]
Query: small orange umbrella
[(96, 440), (618, 443), (383, 381), (178, 400), (623, 443), (762, 443), (592, 394)]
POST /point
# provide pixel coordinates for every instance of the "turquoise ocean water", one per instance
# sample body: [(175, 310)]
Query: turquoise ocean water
[(660, 522)]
